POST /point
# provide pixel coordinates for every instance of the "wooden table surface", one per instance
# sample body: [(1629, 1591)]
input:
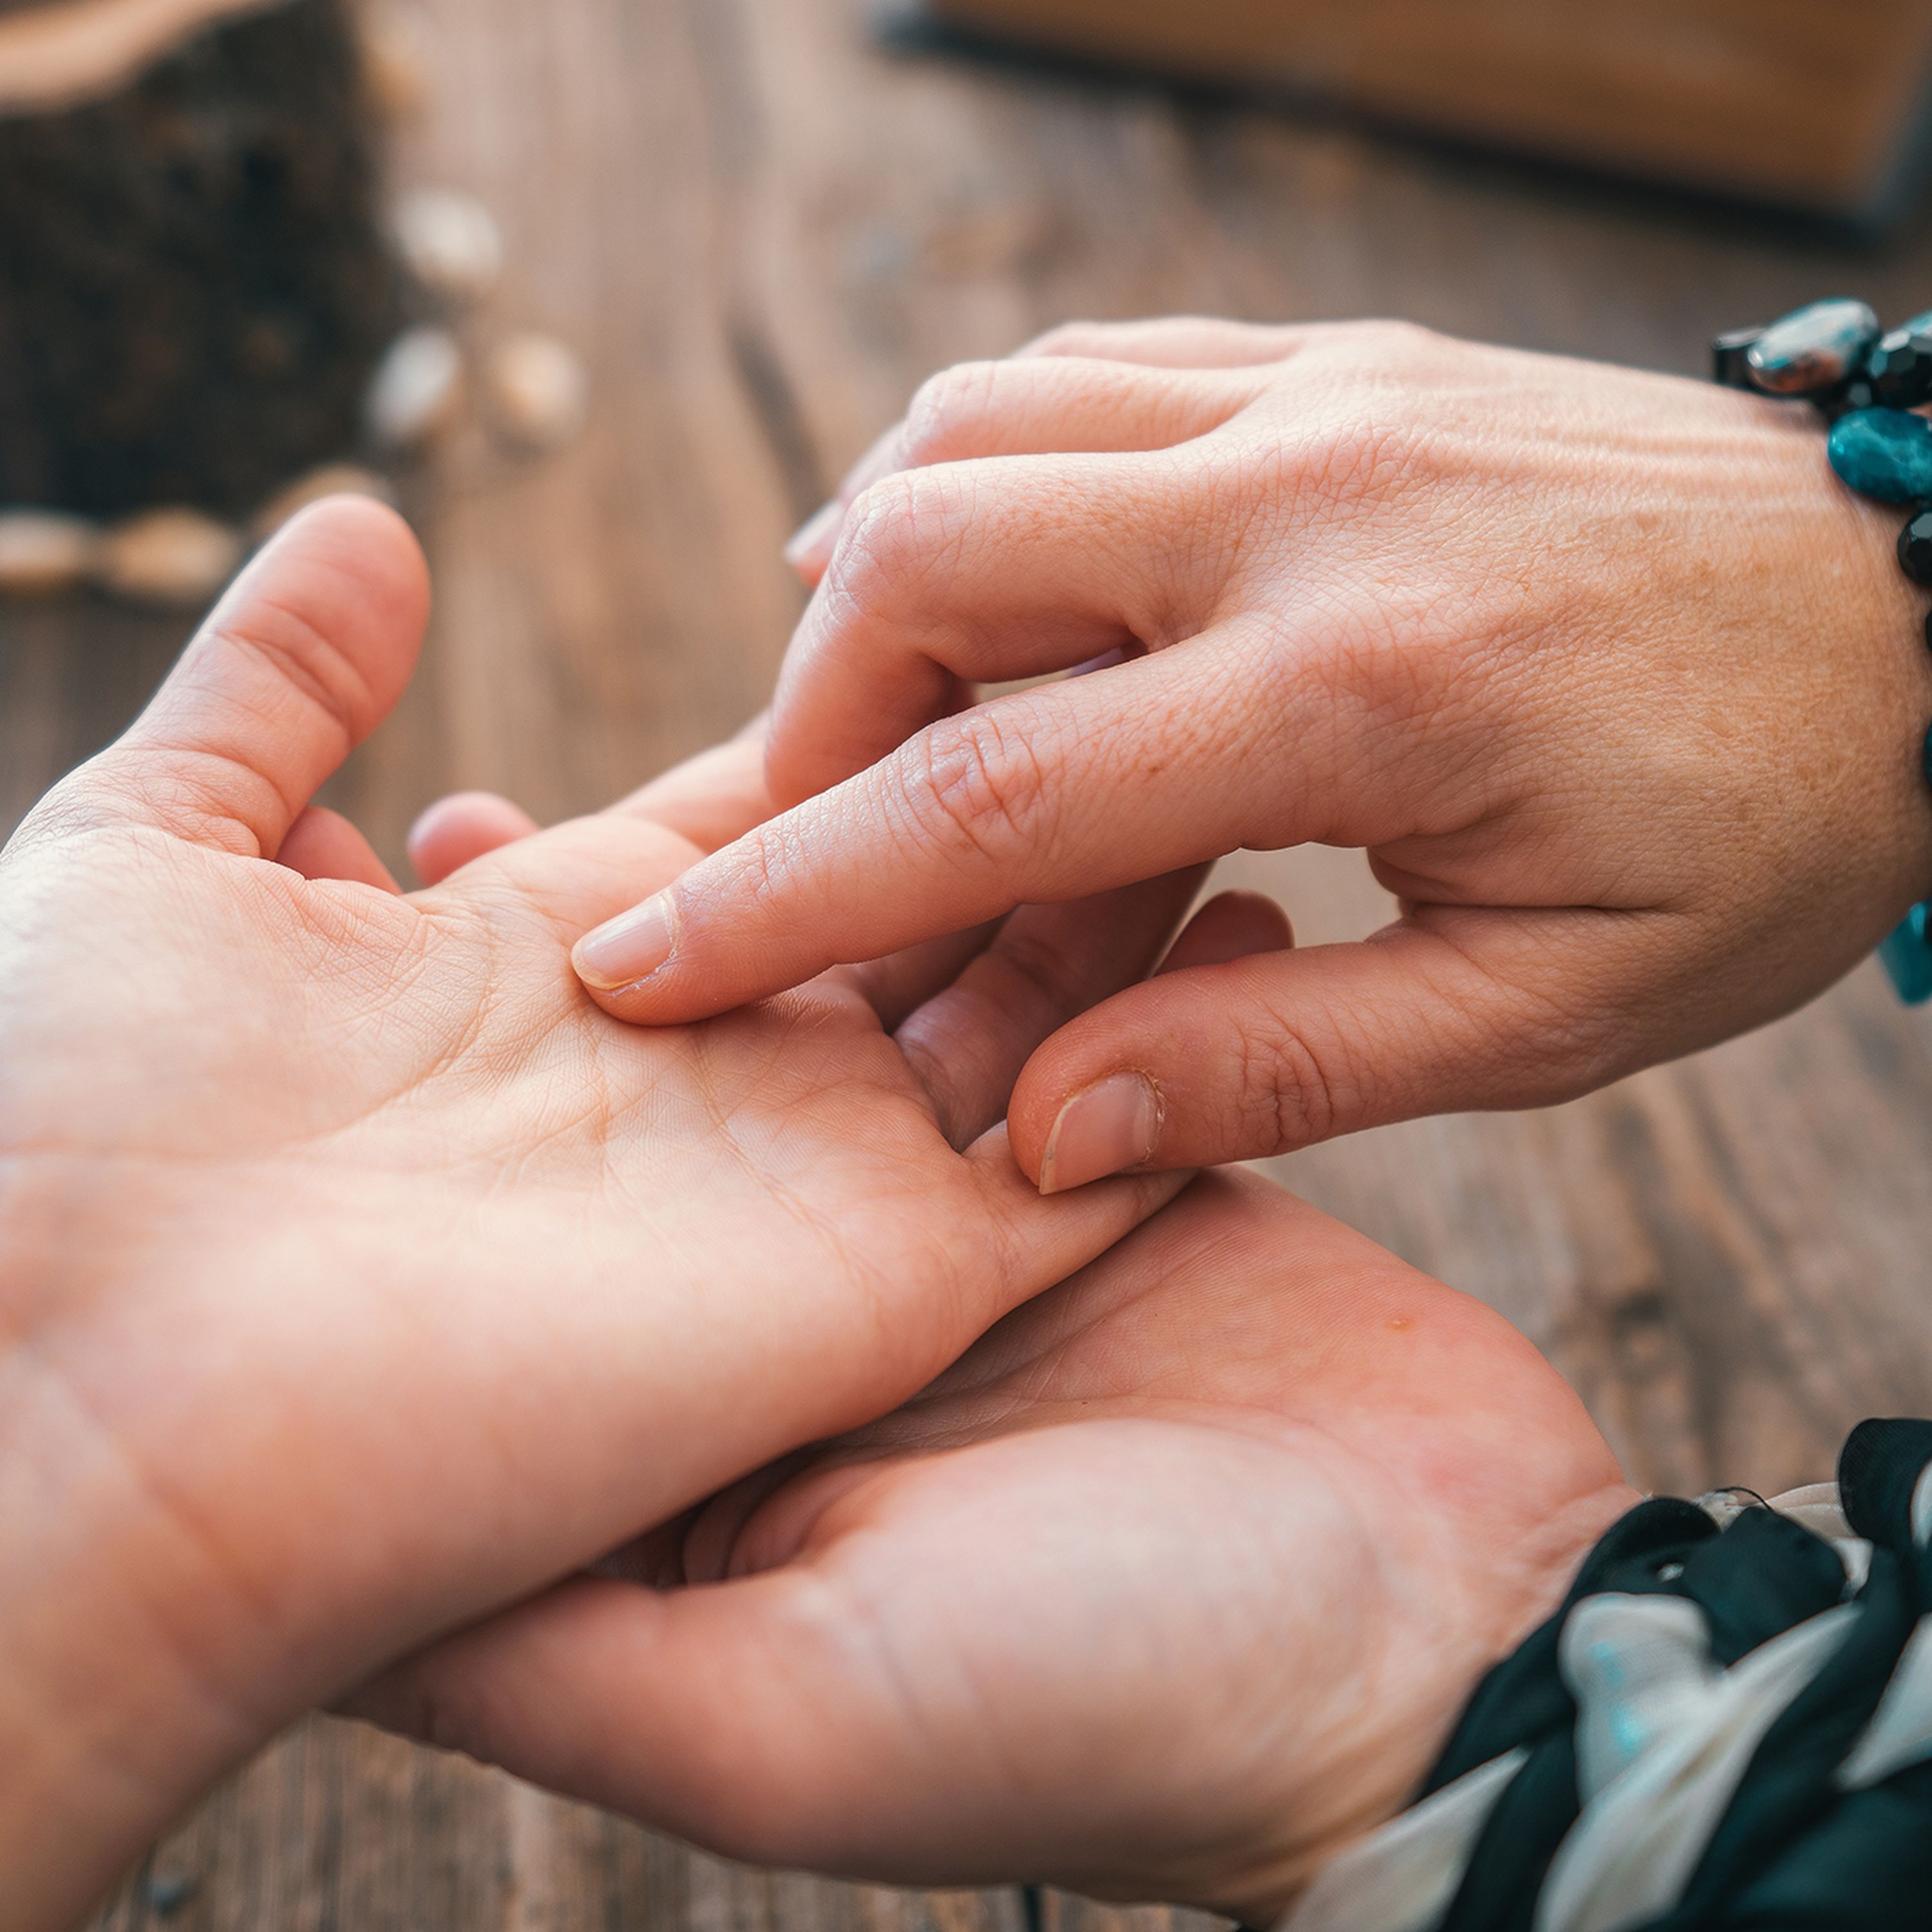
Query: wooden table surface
[(762, 232)]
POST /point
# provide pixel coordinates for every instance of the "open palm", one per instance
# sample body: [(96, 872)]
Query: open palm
[(1174, 1584), (359, 1275)]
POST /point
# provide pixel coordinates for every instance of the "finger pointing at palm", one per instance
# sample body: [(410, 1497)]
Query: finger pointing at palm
[(1622, 693)]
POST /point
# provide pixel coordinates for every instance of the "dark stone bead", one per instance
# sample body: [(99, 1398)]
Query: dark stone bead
[(1901, 368), (1884, 453), (1730, 366), (1914, 549), (1858, 393), (1812, 349)]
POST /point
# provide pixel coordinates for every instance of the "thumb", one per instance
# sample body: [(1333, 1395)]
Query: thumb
[(1447, 1010), (298, 663), (744, 1717)]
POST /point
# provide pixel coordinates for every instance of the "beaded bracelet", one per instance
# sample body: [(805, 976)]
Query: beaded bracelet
[(1728, 1724), (1867, 382)]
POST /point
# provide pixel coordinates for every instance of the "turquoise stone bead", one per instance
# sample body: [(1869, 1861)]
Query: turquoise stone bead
[(1907, 956), (1885, 453)]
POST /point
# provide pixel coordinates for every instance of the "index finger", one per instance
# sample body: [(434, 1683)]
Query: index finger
[(935, 428), (1053, 794)]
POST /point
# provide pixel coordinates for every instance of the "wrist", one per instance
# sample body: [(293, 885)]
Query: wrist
[(1714, 1719), (111, 1717), (1367, 1782), (1900, 698), (1865, 577)]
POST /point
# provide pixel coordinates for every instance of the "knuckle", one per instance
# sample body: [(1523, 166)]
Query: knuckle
[(896, 536), (947, 410), (978, 786), (1390, 666), (1284, 1094), (1373, 430), (766, 873), (290, 646), (1361, 455), (215, 799), (1358, 454)]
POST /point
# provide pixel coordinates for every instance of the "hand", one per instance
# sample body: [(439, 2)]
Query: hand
[(358, 1276), (1622, 691), (1170, 1589)]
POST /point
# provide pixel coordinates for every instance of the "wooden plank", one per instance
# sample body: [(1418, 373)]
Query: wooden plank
[(337, 1830), (1811, 107), (762, 233), (1058, 1912)]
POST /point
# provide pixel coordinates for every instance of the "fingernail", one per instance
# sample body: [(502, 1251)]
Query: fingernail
[(627, 949), (1113, 1126), (811, 534), (1106, 660)]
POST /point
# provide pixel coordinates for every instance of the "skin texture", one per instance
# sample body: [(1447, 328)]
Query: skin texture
[(1170, 1587), (358, 1277), (361, 1281), (1620, 691)]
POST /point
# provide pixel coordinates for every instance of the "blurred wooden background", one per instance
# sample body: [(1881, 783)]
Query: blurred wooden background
[(1816, 107), (762, 233)]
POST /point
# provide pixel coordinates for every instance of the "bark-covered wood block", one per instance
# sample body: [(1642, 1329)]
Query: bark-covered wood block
[(195, 284)]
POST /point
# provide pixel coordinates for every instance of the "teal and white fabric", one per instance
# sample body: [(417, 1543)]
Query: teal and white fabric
[(1728, 1724)]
